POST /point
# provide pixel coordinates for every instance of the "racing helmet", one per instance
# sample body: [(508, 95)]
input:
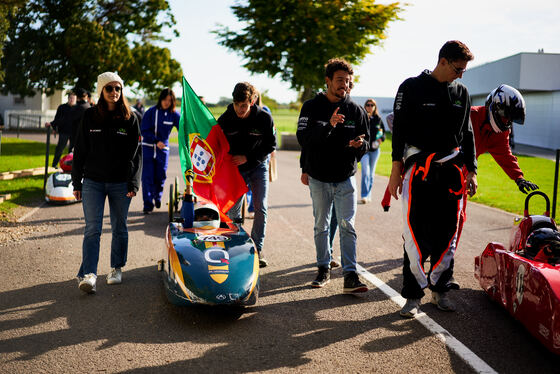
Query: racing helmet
[(66, 163), (505, 105), (544, 238), (206, 215)]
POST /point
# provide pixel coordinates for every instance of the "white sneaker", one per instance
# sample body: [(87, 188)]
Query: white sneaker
[(115, 276), (442, 301), (411, 308), (87, 284)]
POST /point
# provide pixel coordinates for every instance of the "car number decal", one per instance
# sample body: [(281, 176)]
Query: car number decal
[(519, 286)]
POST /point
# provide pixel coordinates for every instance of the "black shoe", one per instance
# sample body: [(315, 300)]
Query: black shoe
[(352, 284), (323, 277), (147, 211), (453, 284), (262, 261), (158, 204)]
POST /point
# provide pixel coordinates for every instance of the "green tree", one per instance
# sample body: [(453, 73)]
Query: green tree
[(6, 6), (295, 38), (56, 43)]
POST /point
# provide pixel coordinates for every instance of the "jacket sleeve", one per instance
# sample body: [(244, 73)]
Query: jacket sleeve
[(501, 152), (311, 132), (402, 118), (81, 150), (176, 120), (362, 127), (136, 157), (148, 127), (268, 144), (58, 117), (467, 142)]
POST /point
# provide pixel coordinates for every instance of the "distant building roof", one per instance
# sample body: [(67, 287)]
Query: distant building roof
[(524, 71)]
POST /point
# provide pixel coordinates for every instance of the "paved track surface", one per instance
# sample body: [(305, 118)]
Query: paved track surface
[(48, 325)]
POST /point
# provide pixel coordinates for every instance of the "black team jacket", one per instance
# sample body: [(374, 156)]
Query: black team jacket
[(326, 155), (433, 117), (107, 150), (252, 137)]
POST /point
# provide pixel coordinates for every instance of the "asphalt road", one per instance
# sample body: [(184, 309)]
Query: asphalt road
[(48, 325)]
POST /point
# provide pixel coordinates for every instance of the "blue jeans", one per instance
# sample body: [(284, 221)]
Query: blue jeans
[(257, 180), (93, 203), (369, 162), (343, 195)]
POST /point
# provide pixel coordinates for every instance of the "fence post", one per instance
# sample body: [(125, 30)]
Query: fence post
[(555, 187), (47, 159)]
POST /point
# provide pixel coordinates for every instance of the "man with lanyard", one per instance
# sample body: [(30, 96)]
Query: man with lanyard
[(432, 142), (334, 134), (157, 123)]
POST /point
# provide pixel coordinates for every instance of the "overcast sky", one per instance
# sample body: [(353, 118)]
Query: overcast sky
[(492, 29)]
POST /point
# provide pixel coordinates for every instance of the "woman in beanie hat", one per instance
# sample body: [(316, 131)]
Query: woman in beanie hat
[(107, 164)]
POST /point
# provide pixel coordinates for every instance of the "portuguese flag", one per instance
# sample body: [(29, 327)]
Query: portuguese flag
[(203, 150)]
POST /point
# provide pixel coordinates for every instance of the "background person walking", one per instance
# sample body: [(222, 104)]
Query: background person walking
[(157, 123), (369, 159), (108, 158), (62, 124)]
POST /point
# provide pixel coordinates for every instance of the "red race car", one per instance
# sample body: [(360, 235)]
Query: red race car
[(525, 278)]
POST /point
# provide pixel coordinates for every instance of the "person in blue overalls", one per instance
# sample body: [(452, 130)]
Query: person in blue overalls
[(157, 123)]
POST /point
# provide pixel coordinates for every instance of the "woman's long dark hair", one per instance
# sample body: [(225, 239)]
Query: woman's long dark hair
[(123, 108), (164, 93), (375, 108)]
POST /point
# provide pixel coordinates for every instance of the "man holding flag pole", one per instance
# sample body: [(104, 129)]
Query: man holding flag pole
[(250, 133), (207, 166)]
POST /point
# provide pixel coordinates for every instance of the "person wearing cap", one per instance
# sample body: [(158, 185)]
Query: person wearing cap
[(107, 164), (157, 123), (62, 124)]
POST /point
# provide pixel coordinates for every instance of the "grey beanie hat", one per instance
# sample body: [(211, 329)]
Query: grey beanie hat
[(107, 77)]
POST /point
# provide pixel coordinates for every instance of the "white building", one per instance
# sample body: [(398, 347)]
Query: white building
[(537, 77), (31, 112)]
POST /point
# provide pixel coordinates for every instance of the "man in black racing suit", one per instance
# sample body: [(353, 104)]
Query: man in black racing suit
[(432, 142)]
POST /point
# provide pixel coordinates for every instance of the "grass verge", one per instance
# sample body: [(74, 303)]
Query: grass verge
[(19, 154)]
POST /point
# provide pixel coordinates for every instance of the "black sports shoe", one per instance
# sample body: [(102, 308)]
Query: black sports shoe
[(262, 261), (158, 204), (352, 284), (323, 277)]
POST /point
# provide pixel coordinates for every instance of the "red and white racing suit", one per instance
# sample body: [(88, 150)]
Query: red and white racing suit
[(495, 143)]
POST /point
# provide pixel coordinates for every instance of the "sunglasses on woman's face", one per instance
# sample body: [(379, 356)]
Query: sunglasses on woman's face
[(110, 89), (370, 105)]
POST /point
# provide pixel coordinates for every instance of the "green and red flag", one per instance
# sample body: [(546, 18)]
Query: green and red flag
[(204, 152)]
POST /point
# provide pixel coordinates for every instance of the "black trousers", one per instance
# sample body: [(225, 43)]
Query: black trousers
[(432, 198), (63, 139)]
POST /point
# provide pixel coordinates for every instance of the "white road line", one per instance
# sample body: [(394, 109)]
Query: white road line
[(24, 217), (442, 334)]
